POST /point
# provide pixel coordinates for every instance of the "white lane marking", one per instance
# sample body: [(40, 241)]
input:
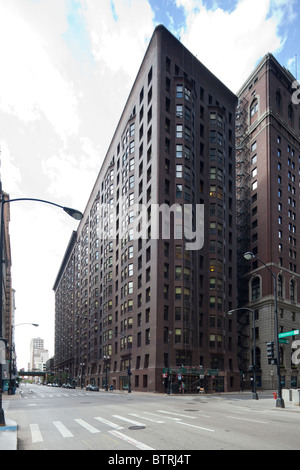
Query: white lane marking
[(130, 440), (177, 414), (198, 427), (158, 416), (147, 419), (109, 423), (62, 429), (87, 426), (36, 435), (245, 419), (136, 423)]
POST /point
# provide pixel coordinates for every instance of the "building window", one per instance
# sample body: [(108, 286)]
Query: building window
[(179, 171), (178, 293), (147, 336), (179, 130), (179, 91), (179, 110), (253, 108), (255, 288), (179, 190), (254, 159), (177, 335), (280, 286), (292, 290), (278, 100), (290, 113), (254, 172)]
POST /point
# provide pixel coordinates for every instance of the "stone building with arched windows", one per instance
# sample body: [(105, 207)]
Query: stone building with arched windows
[(268, 161)]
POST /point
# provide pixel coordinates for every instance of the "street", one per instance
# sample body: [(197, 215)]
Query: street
[(65, 419)]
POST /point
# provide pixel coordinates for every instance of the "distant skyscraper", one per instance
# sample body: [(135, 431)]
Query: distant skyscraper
[(38, 355)]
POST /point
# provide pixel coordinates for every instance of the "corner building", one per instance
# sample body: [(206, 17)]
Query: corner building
[(268, 156), (127, 298)]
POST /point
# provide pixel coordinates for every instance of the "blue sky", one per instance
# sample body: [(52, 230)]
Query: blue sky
[(67, 67), (173, 16)]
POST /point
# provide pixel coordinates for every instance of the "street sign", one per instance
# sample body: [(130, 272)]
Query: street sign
[(283, 341), (289, 333)]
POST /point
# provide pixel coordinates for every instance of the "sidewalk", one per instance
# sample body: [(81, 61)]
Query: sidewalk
[(9, 433)]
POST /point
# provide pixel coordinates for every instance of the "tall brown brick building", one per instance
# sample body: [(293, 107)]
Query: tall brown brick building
[(126, 297), (267, 154)]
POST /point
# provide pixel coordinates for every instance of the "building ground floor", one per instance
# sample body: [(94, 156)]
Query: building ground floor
[(161, 380), (268, 379)]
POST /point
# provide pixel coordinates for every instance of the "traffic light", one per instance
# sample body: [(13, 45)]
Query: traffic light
[(271, 353), (270, 350)]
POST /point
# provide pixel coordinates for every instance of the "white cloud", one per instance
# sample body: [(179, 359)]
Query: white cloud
[(73, 176), (9, 168), (230, 43), (31, 86), (119, 32)]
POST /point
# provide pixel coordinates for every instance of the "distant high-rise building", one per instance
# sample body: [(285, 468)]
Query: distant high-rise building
[(267, 155), (38, 355), (130, 299)]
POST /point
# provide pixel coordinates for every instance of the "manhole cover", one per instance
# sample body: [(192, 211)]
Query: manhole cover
[(190, 410), (136, 428)]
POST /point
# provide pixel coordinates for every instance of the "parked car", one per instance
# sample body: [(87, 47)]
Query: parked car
[(92, 388), (70, 386)]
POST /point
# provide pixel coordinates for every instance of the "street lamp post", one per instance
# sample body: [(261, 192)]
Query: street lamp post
[(279, 402), (255, 396), (106, 362), (10, 388), (72, 212), (169, 378)]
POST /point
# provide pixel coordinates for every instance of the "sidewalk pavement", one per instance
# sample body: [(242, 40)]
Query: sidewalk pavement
[(9, 432), (9, 435)]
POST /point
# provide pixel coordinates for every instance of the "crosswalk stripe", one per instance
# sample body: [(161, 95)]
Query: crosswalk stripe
[(109, 423), (130, 440), (136, 423), (87, 426), (147, 419), (158, 416), (36, 435), (62, 429), (176, 414), (194, 426)]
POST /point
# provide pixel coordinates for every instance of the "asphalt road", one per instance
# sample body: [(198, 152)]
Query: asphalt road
[(65, 419)]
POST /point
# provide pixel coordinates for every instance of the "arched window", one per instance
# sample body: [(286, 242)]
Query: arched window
[(253, 110), (280, 286), (255, 288), (292, 290)]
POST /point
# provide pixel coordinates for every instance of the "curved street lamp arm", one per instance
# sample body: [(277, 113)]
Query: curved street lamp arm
[(72, 212), (230, 312)]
